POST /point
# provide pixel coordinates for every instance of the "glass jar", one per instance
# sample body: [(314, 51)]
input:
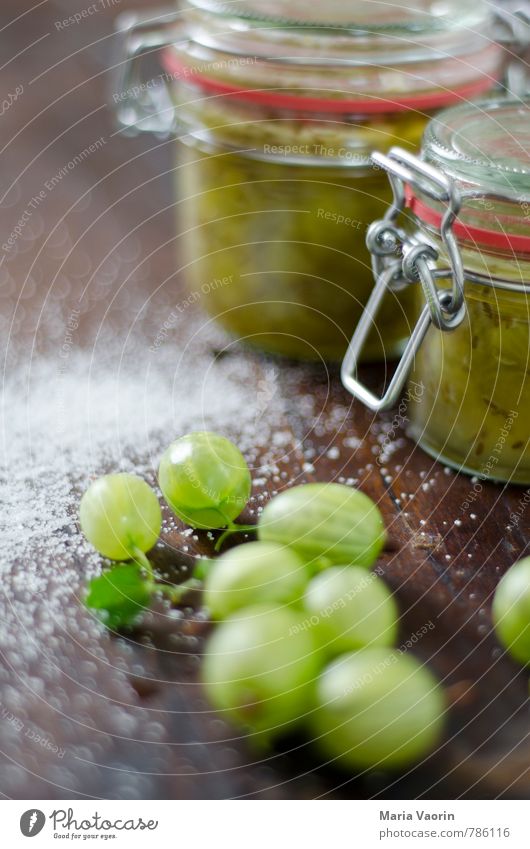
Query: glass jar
[(464, 247), (277, 105)]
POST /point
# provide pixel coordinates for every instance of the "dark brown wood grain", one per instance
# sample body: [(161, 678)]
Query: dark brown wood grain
[(443, 573)]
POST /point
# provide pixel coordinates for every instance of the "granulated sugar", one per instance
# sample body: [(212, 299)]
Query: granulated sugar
[(64, 422)]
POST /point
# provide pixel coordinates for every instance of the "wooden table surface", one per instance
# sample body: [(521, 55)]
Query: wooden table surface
[(125, 717)]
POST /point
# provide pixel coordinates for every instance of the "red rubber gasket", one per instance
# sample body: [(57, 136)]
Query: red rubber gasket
[(295, 102), (480, 236)]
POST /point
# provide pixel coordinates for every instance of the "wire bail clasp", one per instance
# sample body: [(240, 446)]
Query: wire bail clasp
[(399, 260)]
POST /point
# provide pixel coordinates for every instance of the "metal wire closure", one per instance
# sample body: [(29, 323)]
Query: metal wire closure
[(513, 24), (399, 260), (141, 104), (513, 32)]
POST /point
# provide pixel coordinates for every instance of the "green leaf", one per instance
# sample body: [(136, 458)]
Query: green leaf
[(119, 596)]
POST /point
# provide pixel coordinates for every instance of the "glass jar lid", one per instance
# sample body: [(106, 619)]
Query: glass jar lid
[(485, 148), (484, 144), (356, 15)]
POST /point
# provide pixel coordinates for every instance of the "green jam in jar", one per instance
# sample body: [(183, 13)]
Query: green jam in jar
[(288, 240), (276, 118), (472, 388)]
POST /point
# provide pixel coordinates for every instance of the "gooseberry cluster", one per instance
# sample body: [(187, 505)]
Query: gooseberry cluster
[(305, 631), (306, 634)]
